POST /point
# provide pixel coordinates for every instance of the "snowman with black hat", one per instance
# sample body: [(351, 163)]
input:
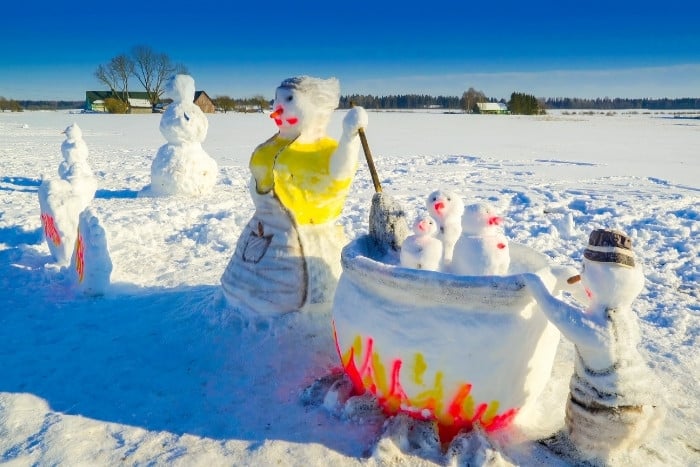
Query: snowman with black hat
[(611, 407)]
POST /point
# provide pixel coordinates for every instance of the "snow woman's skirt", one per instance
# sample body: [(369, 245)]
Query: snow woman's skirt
[(455, 349), (279, 266)]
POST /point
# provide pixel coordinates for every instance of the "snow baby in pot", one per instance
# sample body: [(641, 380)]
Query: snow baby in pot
[(611, 407), (288, 256)]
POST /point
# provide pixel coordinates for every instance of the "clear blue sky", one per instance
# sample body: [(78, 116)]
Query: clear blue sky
[(49, 49)]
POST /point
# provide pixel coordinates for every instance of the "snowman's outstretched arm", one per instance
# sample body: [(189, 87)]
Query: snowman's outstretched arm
[(344, 161), (571, 321)]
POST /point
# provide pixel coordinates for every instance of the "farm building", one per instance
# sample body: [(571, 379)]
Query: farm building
[(139, 103), (204, 102), (492, 108)]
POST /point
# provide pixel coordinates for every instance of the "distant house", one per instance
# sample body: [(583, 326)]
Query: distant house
[(139, 103), (492, 108), (204, 102)]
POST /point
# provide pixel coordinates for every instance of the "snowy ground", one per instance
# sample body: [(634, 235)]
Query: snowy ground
[(158, 371)]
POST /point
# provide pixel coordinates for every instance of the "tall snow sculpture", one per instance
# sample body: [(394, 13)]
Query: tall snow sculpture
[(62, 200), (611, 406), (182, 167), (288, 256)]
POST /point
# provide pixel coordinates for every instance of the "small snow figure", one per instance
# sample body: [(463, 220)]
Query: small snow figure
[(182, 166), (62, 200), (446, 208), (91, 262), (75, 168), (611, 406), (482, 249), (422, 250), (288, 256)]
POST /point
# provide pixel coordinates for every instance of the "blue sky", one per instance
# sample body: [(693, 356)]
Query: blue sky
[(50, 49)]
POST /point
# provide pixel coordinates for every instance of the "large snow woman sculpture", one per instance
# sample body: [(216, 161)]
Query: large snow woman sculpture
[(288, 256)]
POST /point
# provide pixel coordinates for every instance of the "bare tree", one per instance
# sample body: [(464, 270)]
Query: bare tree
[(115, 75), (152, 69), (471, 98)]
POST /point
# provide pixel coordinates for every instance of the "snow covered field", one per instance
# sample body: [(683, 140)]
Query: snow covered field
[(159, 371)]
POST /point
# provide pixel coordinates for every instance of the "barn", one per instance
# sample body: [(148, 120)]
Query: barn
[(492, 108)]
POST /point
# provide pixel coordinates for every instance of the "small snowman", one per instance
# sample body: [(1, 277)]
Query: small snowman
[(182, 167), (422, 250), (75, 155), (91, 263), (288, 256), (482, 249), (611, 408), (446, 208)]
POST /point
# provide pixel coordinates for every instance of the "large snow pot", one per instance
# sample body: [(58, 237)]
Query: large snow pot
[(455, 349)]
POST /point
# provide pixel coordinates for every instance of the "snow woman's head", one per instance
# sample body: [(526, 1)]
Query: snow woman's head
[(304, 104)]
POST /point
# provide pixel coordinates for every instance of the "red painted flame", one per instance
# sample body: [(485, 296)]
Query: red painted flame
[(454, 419), (80, 258), (50, 229)]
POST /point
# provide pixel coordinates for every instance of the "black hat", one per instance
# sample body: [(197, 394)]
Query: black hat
[(610, 246)]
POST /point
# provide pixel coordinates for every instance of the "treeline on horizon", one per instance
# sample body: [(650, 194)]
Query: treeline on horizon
[(423, 101)]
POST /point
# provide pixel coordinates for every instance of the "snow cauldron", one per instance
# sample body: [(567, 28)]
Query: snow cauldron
[(459, 350)]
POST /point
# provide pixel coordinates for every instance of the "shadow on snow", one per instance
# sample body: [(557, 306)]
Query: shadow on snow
[(175, 360)]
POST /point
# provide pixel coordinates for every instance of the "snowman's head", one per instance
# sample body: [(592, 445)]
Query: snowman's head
[(304, 104), (479, 218), (73, 132), (180, 88), (444, 204), (610, 275), (424, 225)]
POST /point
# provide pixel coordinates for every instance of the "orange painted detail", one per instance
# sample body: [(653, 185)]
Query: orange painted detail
[(50, 229), (80, 257), (367, 372)]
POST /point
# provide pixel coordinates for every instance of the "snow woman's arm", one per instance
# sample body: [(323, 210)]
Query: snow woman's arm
[(571, 321), (344, 161)]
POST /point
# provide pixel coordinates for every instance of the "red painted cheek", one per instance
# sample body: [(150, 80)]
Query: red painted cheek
[(495, 220), (589, 294), (501, 246), (278, 121), (292, 121), (439, 207)]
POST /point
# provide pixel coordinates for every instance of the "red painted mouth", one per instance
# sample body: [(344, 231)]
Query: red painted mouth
[(439, 206)]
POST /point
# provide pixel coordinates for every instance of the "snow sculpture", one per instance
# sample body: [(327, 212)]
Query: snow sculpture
[(182, 167), (455, 349), (288, 256), (62, 200), (482, 249), (91, 263), (611, 407), (422, 250), (446, 208)]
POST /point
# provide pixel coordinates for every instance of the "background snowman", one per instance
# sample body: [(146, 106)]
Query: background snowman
[(288, 256), (182, 167)]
